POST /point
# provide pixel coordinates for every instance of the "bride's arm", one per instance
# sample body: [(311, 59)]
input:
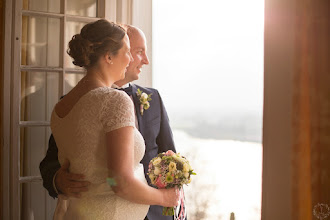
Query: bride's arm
[(120, 155)]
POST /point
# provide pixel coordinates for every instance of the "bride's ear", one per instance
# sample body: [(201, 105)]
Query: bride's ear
[(108, 58)]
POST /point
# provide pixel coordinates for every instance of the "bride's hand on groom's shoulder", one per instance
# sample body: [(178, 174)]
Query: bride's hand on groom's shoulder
[(70, 184), (170, 197)]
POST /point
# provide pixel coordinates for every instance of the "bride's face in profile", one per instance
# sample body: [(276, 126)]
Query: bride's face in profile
[(122, 59)]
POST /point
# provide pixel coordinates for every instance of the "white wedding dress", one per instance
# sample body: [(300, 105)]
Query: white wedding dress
[(80, 137)]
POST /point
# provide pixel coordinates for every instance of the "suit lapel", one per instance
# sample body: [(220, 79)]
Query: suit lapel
[(137, 108)]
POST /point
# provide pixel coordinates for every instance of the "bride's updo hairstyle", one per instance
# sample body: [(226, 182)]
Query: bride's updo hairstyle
[(95, 39)]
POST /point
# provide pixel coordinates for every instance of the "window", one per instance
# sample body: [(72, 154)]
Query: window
[(208, 66), (38, 73)]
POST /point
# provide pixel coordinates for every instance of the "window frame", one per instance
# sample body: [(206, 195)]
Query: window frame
[(113, 10)]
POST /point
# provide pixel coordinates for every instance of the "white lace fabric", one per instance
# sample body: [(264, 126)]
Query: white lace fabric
[(80, 138)]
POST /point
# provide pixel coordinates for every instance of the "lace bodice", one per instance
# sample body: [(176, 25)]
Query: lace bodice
[(80, 137)]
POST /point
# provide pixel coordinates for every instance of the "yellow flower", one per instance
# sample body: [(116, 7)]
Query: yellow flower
[(157, 161), (146, 105), (169, 178), (172, 166), (152, 178), (185, 167), (186, 174)]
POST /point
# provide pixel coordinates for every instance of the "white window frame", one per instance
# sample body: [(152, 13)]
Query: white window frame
[(113, 10), (141, 17)]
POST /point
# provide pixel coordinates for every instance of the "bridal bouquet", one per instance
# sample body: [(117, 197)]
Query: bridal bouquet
[(168, 170)]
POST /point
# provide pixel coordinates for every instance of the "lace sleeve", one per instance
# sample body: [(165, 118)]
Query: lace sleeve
[(117, 111)]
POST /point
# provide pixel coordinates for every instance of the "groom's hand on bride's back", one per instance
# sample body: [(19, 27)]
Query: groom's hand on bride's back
[(70, 184)]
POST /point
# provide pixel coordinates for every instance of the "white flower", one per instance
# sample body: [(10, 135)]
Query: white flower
[(157, 161), (144, 97), (157, 171), (180, 159)]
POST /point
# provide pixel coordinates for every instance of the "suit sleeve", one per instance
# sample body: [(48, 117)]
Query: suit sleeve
[(49, 166), (165, 137)]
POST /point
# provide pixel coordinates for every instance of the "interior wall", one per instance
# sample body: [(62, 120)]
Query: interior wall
[(278, 68), (282, 35), (1, 94)]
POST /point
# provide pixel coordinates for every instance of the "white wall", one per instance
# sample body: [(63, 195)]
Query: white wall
[(142, 18)]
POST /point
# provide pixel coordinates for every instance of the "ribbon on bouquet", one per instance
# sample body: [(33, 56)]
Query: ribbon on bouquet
[(180, 211)]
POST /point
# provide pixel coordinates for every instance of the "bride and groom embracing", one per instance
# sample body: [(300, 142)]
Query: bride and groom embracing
[(102, 132)]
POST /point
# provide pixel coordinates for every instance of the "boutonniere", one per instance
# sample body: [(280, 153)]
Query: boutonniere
[(144, 100)]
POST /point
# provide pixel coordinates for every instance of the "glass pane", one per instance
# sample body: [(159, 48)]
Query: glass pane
[(222, 134), (42, 5), (33, 147), (39, 94), (86, 8), (35, 202), (72, 28), (40, 41), (71, 80)]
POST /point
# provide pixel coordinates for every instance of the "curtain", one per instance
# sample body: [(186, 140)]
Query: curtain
[(311, 111)]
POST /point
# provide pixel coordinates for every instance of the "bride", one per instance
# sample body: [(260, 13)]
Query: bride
[(94, 128)]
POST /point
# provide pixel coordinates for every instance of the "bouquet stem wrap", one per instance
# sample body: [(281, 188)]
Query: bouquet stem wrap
[(169, 211)]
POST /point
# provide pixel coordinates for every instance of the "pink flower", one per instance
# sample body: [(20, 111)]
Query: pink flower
[(169, 153), (159, 183)]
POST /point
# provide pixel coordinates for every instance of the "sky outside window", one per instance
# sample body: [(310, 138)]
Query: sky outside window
[(208, 67), (212, 50)]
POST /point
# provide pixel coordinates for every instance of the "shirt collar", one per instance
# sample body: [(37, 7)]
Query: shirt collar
[(114, 86)]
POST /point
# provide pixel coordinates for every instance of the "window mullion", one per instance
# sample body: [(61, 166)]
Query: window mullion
[(34, 123), (42, 14), (46, 69), (63, 49)]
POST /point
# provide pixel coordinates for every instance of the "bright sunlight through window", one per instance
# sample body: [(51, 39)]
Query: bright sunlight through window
[(208, 66)]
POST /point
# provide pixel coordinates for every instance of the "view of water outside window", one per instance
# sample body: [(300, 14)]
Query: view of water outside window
[(208, 66)]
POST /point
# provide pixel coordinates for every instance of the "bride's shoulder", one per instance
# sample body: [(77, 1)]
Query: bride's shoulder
[(107, 94), (104, 91), (111, 92)]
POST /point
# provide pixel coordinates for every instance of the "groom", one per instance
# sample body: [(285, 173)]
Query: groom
[(153, 125)]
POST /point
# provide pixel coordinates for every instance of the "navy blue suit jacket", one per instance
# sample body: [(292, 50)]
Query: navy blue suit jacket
[(155, 129)]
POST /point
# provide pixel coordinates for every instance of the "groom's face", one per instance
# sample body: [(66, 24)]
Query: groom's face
[(138, 51)]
